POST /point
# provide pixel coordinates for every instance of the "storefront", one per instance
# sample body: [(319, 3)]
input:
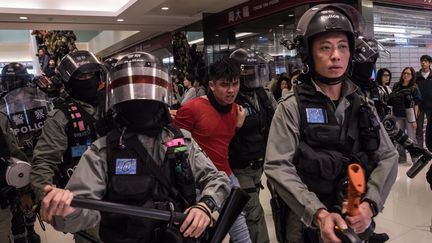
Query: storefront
[(260, 26), (402, 26)]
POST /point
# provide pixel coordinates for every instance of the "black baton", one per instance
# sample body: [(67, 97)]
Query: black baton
[(128, 210)]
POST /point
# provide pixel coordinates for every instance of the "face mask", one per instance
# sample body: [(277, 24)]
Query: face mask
[(220, 108), (84, 90), (143, 116)]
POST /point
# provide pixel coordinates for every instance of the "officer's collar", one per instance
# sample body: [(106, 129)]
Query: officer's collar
[(348, 88), (165, 135)]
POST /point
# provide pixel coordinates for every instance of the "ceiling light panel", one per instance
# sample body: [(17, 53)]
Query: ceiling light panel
[(65, 7)]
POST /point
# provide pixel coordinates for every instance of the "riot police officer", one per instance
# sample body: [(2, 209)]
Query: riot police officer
[(14, 182), (71, 127), (8, 194), (247, 148), (25, 108), (144, 161), (25, 105), (325, 126), (13, 76)]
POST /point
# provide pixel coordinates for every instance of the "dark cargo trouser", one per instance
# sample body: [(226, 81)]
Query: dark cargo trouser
[(250, 181)]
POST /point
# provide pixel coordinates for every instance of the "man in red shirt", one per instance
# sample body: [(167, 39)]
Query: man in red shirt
[(213, 120)]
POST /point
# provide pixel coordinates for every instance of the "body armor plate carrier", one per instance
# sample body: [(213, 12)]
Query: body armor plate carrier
[(136, 179), (81, 133)]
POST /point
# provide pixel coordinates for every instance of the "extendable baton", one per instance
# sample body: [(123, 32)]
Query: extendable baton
[(128, 210)]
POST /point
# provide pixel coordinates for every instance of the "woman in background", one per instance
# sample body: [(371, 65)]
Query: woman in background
[(404, 99)]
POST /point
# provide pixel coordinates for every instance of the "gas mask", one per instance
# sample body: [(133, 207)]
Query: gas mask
[(84, 89), (143, 116)]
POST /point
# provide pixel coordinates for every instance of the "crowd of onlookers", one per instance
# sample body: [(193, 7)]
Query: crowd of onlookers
[(47, 64), (410, 99)]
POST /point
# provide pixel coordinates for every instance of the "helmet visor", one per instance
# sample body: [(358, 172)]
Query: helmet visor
[(11, 82), (138, 80), (366, 50), (254, 76), (78, 63)]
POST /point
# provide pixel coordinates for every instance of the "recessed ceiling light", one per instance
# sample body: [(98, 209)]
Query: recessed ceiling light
[(120, 20), (165, 8), (281, 25), (23, 17), (290, 15), (217, 35), (242, 41)]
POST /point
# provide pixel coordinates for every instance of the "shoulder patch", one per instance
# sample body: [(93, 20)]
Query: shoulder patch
[(187, 135), (55, 112), (99, 144), (286, 97)]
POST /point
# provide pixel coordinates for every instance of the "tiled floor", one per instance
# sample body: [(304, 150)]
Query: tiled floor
[(406, 218)]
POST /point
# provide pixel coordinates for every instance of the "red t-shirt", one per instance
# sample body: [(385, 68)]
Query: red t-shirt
[(212, 130)]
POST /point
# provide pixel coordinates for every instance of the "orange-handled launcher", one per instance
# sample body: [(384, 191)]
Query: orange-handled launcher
[(356, 187)]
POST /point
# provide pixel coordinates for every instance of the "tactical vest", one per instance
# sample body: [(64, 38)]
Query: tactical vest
[(81, 133), (250, 141), (132, 181), (326, 147)]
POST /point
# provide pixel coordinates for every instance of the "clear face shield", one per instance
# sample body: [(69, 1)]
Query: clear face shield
[(79, 63), (27, 109), (11, 82), (138, 79), (254, 76)]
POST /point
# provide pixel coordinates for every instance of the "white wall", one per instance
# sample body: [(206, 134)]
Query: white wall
[(15, 52), (106, 39), (21, 52)]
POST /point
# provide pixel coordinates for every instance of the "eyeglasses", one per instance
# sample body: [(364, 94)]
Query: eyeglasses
[(406, 73)]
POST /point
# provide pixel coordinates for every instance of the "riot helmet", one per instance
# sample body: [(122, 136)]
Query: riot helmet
[(13, 76), (254, 68), (367, 52), (325, 18), (110, 63), (77, 64), (139, 91), (81, 73)]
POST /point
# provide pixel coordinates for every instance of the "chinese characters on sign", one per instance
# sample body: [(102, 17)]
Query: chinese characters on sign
[(238, 14), (244, 12)]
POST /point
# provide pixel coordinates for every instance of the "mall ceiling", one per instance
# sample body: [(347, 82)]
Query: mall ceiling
[(145, 16)]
